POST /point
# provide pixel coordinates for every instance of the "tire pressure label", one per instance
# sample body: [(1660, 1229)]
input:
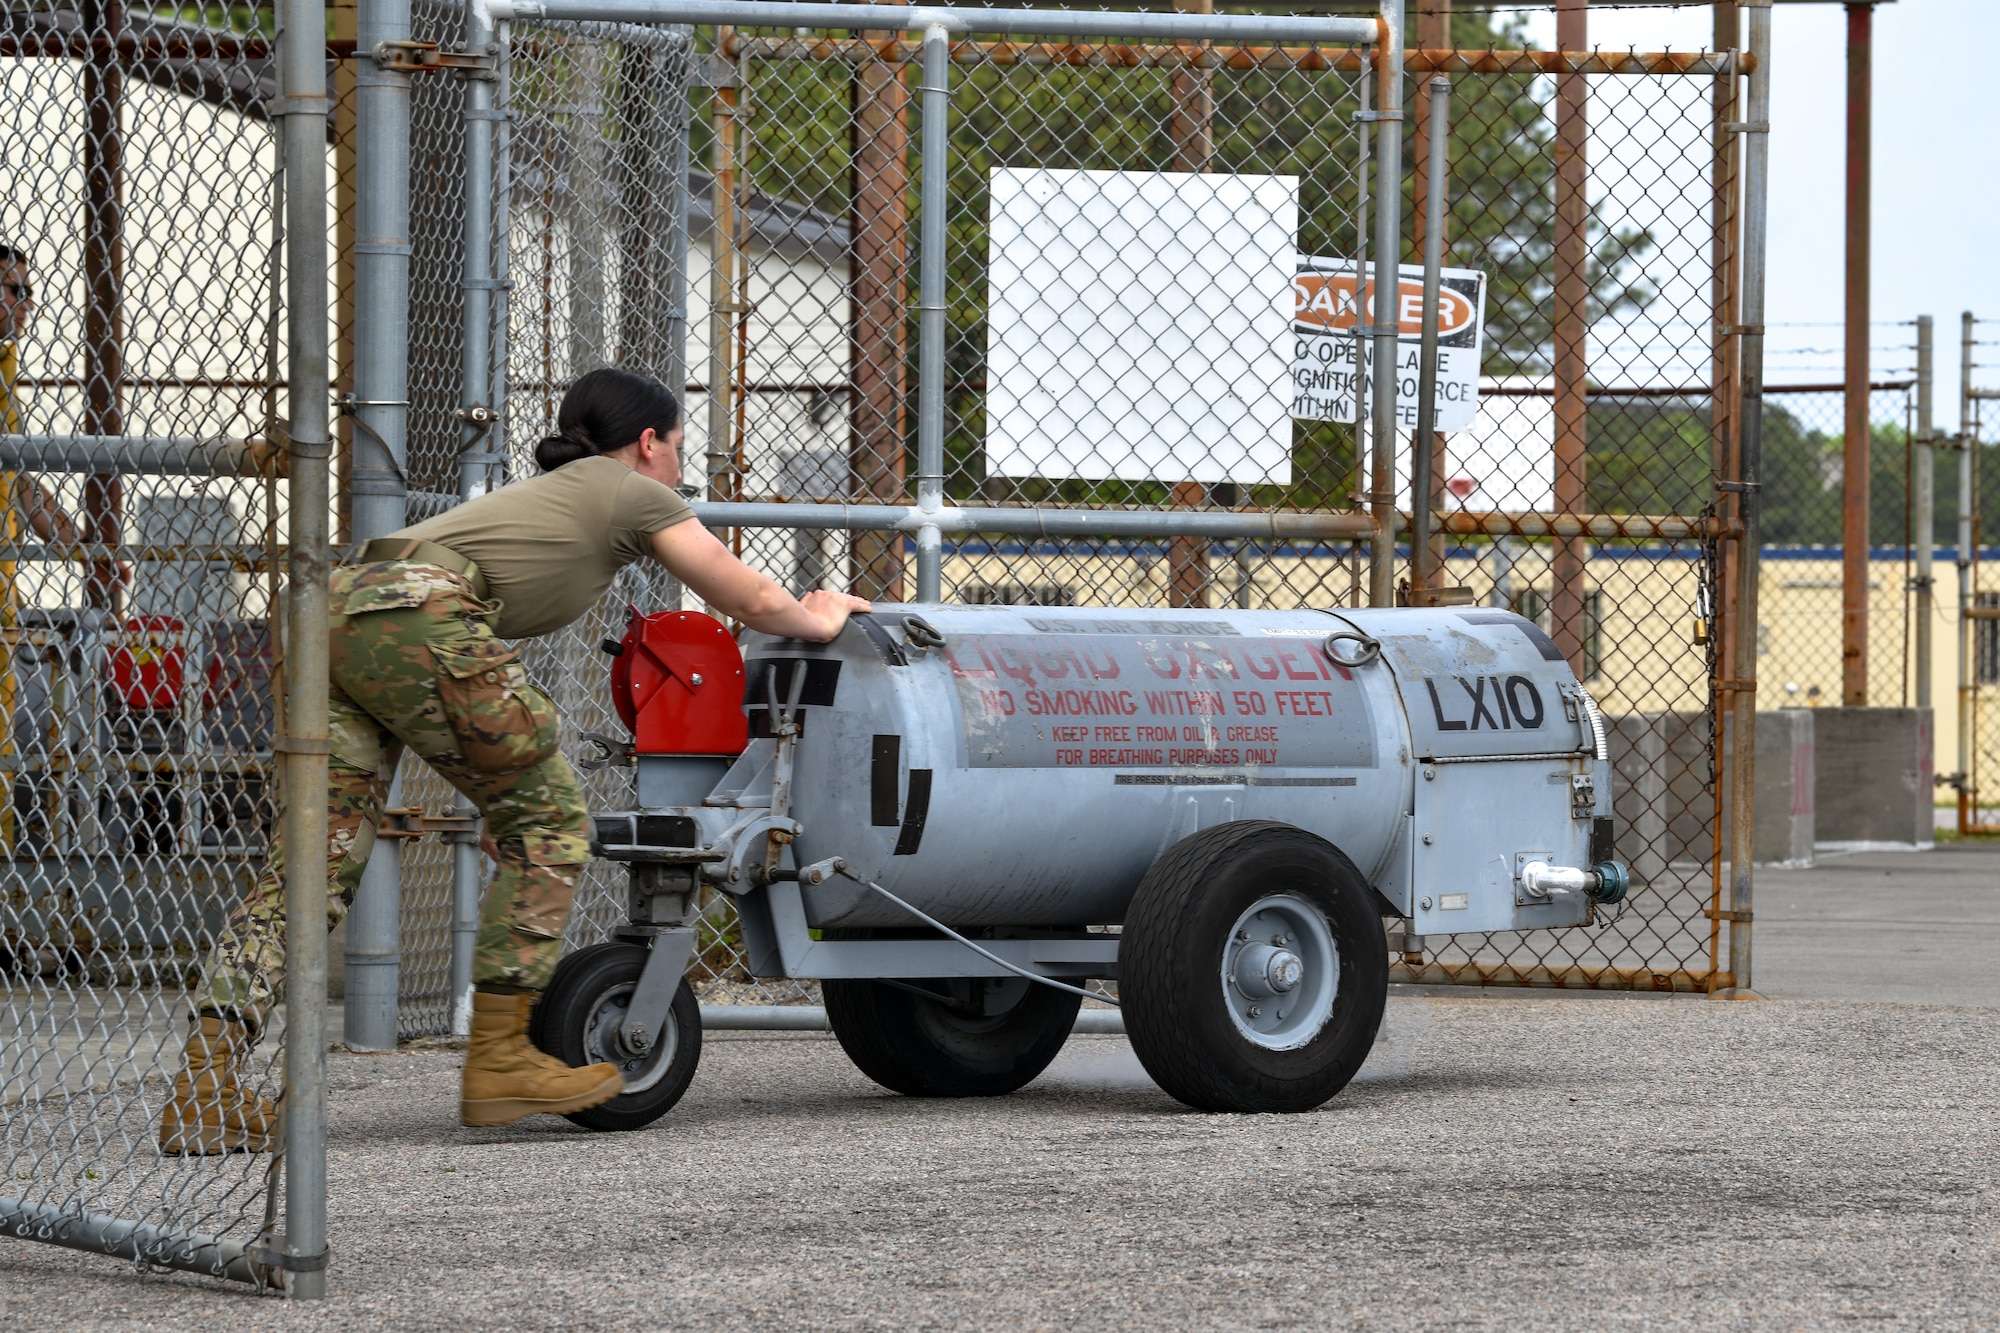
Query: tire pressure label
[(1184, 701)]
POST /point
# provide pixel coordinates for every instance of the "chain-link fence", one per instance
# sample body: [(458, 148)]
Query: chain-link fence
[(1606, 367), (1800, 606), (142, 399), (1978, 722)]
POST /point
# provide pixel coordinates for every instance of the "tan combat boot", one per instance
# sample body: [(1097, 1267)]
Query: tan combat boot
[(508, 1079), (211, 1111)]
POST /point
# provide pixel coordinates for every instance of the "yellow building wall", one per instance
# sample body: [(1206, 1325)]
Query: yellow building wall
[(1645, 655)]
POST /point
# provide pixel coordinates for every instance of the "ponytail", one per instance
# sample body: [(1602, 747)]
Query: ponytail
[(603, 412)]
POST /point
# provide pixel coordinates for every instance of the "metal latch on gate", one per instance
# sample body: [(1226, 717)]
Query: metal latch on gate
[(414, 57), (411, 821)]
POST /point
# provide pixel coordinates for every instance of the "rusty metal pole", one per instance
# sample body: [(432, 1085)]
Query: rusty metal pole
[(1572, 327), (1433, 33), (1968, 675), (1191, 130), (1924, 503), (724, 292), (103, 283), (1854, 477), (1425, 461), (878, 356), (1724, 278)]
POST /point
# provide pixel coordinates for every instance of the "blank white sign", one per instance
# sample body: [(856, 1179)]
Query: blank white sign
[(1139, 325)]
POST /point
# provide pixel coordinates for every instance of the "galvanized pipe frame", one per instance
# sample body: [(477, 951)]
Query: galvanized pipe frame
[(145, 455), (966, 21), (1388, 119), (304, 746), (930, 518), (144, 1244), (482, 414), (377, 480), (1241, 524), (1274, 59)]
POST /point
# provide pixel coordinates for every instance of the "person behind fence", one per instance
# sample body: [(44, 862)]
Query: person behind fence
[(418, 658), (30, 504)]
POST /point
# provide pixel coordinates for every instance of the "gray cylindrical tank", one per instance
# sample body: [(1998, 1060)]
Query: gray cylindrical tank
[(1028, 768)]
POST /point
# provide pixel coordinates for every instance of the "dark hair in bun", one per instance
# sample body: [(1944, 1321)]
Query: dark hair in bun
[(605, 411)]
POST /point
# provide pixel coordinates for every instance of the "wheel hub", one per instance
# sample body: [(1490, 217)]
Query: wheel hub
[(1280, 972), (1267, 969), (610, 1036)]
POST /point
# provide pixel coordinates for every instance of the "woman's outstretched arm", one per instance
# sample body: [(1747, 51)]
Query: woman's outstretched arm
[(694, 556)]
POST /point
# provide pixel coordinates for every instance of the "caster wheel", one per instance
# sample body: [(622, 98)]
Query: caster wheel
[(580, 1020)]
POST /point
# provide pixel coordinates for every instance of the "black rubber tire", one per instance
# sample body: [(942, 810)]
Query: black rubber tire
[(1170, 962), (925, 1048), (559, 1027)]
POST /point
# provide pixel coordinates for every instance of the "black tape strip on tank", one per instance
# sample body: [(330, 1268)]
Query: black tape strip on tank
[(1543, 643), (885, 772), (1603, 839), (821, 684), (885, 643), (915, 813)]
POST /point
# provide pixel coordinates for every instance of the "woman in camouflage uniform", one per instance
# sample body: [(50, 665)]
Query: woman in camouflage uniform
[(418, 662)]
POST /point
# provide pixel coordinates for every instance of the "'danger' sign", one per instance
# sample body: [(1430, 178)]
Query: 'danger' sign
[(1327, 300)]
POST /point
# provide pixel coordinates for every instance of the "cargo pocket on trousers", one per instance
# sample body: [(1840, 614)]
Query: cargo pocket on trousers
[(503, 724)]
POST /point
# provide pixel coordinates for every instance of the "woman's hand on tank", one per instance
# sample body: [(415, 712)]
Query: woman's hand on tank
[(832, 610)]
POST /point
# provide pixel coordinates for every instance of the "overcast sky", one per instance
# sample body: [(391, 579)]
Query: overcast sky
[(1936, 213)]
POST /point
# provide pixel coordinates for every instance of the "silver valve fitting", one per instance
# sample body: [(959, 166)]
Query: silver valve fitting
[(1605, 882)]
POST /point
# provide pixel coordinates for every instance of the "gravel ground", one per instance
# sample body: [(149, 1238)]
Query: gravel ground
[(1657, 1162)]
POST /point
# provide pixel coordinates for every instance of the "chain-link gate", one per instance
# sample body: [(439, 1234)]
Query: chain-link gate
[(749, 212), (1608, 383), (143, 405), (1978, 646)]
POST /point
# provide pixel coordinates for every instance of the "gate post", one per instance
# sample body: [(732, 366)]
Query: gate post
[(1742, 700), (933, 188), (381, 413), (302, 60)]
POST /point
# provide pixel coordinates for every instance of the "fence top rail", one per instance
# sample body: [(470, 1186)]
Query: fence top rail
[(1477, 60), (968, 20)]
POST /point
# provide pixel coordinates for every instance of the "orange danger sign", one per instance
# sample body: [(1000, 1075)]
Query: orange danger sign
[(1330, 301)]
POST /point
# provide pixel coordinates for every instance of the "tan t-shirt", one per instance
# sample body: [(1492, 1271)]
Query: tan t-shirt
[(550, 545)]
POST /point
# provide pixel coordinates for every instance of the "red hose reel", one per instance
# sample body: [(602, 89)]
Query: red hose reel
[(677, 683)]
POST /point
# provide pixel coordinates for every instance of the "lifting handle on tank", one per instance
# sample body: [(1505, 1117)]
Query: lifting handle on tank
[(1371, 648)]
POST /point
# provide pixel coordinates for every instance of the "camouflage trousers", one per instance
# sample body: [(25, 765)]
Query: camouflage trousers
[(414, 664)]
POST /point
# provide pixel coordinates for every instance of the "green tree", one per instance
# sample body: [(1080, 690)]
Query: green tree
[(799, 151)]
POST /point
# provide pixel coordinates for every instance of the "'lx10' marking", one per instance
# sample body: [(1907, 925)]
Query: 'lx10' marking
[(1516, 702)]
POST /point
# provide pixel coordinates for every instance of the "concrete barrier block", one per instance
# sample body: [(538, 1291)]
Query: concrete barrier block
[(1873, 776), (1787, 775), (1665, 804), (1662, 800), (1785, 786)]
